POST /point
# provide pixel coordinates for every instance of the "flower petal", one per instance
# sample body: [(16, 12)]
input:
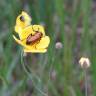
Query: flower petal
[(23, 43), (18, 29), (35, 51), (39, 28), (26, 32), (44, 42)]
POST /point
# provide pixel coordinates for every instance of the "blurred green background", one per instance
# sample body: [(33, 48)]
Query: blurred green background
[(71, 25)]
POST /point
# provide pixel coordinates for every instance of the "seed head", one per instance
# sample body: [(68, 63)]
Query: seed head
[(58, 45), (84, 62)]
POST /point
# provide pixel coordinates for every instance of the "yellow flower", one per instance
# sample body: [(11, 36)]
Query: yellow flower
[(24, 28)]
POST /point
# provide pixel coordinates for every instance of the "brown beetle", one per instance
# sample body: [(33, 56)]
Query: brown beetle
[(31, 39)]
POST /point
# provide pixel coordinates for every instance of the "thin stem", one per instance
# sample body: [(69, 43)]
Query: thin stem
[(86, 83), (30, 75)]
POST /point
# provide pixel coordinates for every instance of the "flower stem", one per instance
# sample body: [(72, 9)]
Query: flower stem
[(31, 76), (86, 83)]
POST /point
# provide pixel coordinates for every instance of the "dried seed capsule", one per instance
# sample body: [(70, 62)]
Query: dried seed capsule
[(58, 45), (84, 62)]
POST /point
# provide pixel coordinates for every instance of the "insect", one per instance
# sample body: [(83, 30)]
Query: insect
[(31, 39), (22, 18)]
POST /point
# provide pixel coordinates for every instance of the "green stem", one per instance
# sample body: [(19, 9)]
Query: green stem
[(86, 83), (31, 76)]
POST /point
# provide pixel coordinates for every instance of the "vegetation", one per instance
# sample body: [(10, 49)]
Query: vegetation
[(71, 27)]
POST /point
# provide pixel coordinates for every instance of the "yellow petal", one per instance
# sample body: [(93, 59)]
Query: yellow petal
[(23, 43), (26, 32), (18, 29), (44, 42), (39, 28), (35, 51), (27, 17), (27, 20), (28, 29)]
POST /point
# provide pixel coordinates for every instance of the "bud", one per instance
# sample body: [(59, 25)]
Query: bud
[(84, 62), (58, 45)]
